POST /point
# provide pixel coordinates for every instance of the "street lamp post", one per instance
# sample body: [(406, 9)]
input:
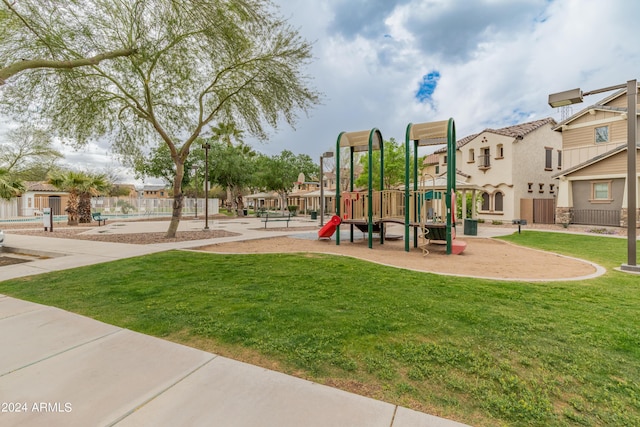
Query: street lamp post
[(195, 176), (574, 96), (325, 155), (206, 147)]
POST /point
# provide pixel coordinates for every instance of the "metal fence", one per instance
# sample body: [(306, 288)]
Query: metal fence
[(596, 217)]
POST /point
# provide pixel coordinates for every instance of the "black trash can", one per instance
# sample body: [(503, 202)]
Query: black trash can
[(245, 212), (471, 227), (314, 215)]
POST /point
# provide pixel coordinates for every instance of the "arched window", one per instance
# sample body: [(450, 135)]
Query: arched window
[(485, 201), (498, 201)]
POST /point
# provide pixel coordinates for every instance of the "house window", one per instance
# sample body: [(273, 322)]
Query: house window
[(485, 202), (541, 188), (530, 187), (437, 169), (500, 151), (559, 159), (548, 159), (472, 156), (498, 201), (485, 159), (602, 134), (444, 160), (551, 188), (601, 191)]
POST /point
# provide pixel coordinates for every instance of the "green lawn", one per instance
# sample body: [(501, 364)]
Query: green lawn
[(478, 351)]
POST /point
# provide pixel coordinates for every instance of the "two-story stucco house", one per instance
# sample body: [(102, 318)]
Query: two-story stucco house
[(514, 166), (592, 186)]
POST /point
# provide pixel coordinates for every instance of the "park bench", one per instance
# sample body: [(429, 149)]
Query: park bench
[(267, 217), (98, 217)]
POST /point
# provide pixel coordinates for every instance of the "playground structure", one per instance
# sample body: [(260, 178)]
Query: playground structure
[(430, 213)]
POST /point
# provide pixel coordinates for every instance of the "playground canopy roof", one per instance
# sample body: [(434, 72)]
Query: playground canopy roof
[(432, 133), (359, 140)]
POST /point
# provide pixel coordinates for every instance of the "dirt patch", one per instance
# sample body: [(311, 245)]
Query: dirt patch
[(488, 258), (131, 238), (482, 258), (6, 260)]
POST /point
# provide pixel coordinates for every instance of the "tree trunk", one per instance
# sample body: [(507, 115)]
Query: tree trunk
[(178, 199), (240, 205), (72, 209), (229, 200), (84, 208)]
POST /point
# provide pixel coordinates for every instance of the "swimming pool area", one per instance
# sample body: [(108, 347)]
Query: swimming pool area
[(63, 218)]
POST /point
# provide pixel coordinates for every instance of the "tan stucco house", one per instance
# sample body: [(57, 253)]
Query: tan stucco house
[(514, 167), (40, 195), (592, 187)]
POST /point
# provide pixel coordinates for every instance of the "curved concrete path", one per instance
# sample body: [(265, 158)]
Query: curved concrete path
[(62, 369)]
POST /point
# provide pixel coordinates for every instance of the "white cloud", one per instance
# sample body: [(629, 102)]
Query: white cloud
[(498, 60)]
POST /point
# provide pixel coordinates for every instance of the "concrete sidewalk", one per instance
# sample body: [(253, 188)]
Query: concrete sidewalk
[(61, 369)]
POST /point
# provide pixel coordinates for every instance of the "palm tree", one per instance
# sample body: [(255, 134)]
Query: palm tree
[(225, 132), (10, 187), (71, 182), (92, 186)]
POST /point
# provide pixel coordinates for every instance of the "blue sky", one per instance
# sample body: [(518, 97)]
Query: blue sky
[(486, 63)]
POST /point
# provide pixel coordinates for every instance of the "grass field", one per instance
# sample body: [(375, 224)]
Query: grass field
[(479, 351)]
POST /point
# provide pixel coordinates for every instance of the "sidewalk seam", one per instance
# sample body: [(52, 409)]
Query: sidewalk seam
[(393, 417), (37, 308), (161, 392), (61, 352)]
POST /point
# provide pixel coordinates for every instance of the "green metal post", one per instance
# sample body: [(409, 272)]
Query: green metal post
[(351, 190), (370, 192), (407, 171), (415, 192), (338, 186), (451, 180), (377, 132)]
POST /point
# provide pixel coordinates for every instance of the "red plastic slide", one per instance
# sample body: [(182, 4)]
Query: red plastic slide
[(329, 228)]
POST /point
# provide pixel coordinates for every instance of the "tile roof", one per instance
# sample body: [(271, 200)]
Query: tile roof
[(154, 187), (40, 186), (518, 131), (431, 159), (515, 131)]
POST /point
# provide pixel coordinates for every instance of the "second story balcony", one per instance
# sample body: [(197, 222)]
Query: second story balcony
[(484, 161)]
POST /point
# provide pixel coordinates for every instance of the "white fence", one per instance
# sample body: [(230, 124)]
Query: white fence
[(113, 207), (8, 208)]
